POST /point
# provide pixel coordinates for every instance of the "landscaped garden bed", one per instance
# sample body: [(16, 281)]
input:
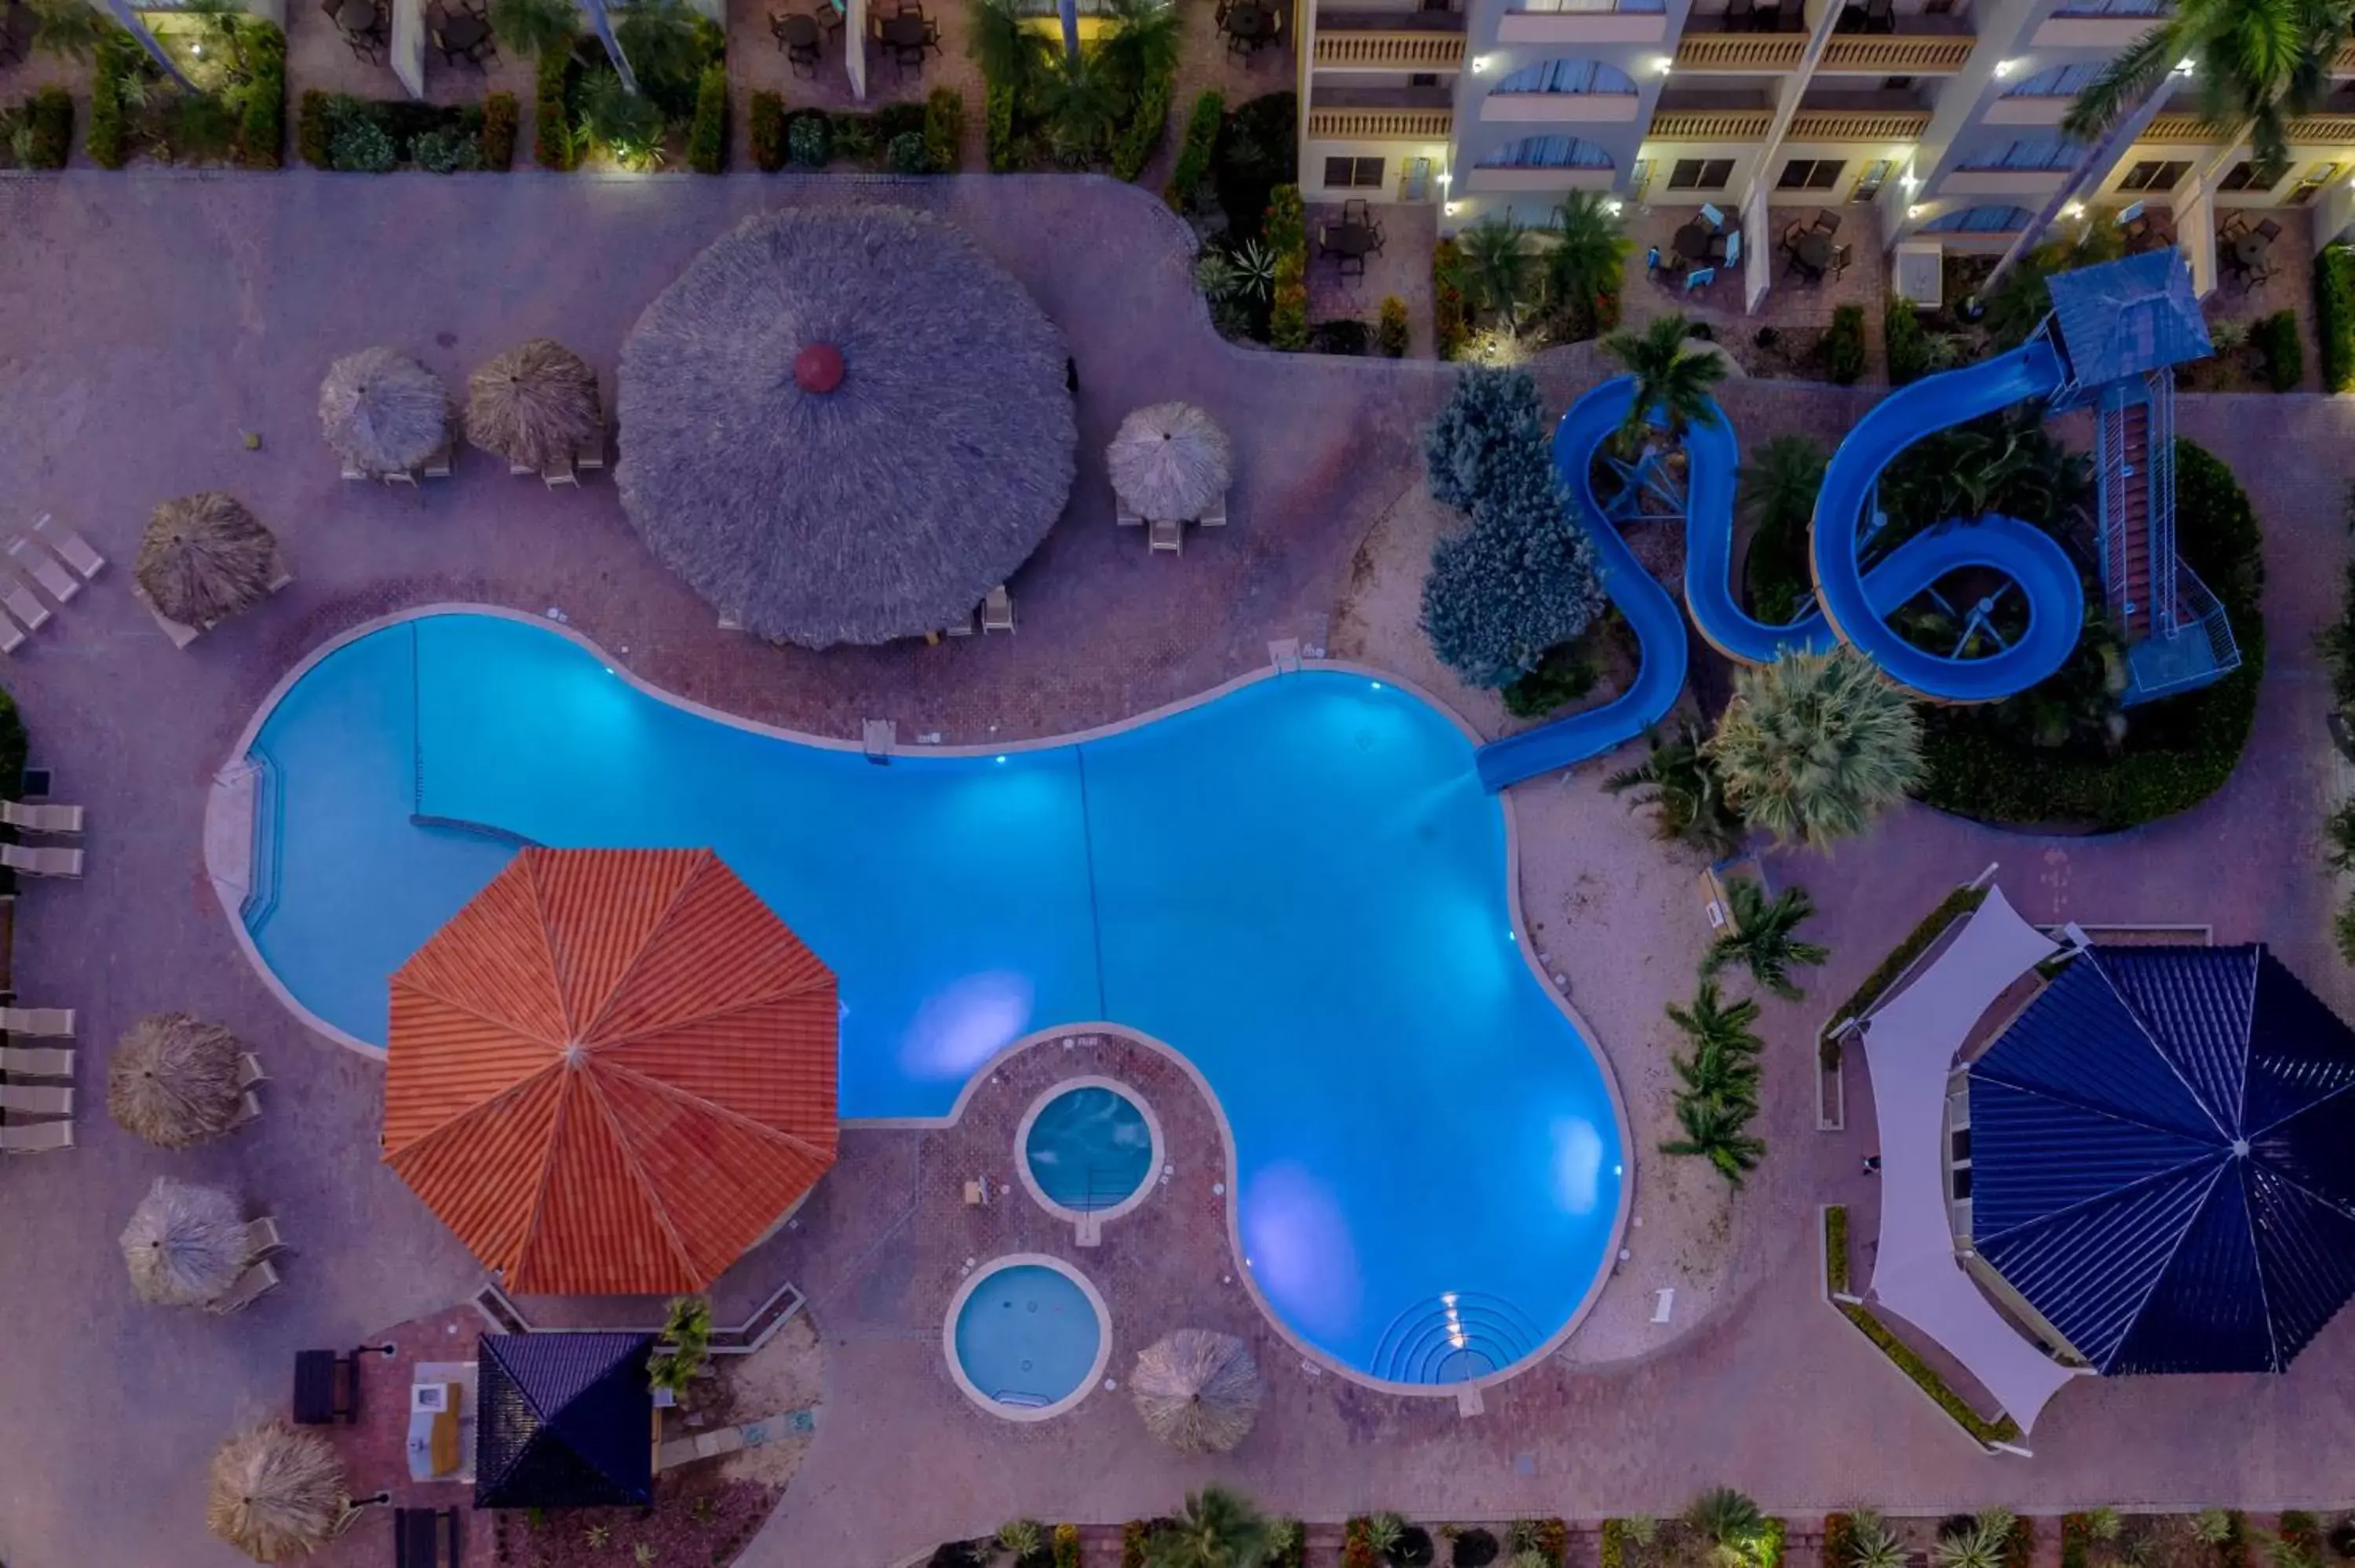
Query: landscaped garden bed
[(372, 136), (1104, 107), (235, 111), (1983, 1430), (37, 132), (587, 119), (898, 138)]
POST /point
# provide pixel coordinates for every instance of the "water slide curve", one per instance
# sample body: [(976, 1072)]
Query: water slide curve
[(1853, 602)]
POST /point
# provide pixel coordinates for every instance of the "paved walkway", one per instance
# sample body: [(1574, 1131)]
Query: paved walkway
[(153, 318)]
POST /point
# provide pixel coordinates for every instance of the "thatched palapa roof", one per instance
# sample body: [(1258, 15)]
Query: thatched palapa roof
[(184, 1244), (533, 405), (383, 412), (172, 1080), (276, 1493), (1199, 1392), (204, 556), (844, 425), (1169, 461)]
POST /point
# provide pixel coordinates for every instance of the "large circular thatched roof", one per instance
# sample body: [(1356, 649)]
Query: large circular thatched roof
[(204, 556), (844, 426)]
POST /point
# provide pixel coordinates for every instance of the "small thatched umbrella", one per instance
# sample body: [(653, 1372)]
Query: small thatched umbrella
[(533, 405), (844, 425), (1169, 461), (276, 1493), (172, 1080), (1199, 1392), (204, 556), (184, 1244), (383, 412)]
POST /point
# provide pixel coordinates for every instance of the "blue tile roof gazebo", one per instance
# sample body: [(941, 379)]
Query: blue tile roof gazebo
[(566, 1421)]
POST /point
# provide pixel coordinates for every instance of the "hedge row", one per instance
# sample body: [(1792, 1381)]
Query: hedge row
[(1844, 344), (2334, 315), (1193, 163), (1836, 1248), (552, 130), (1905, 342), (707, 139), (1134, 147), (49, 114), (1288, 237), (2003, 1429)]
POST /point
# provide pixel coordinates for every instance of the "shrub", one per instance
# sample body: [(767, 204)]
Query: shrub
[(1067, 1543), (808, 142), (1844, 344), (2334, 315), (2277, 342), (944, 130), (500, 113), (1257, 150), (1563, 675), (446, 150), (1447, 325), (262, 111), (707, 139), (1613, 1550), (908, 156), (313, 125), (1288, 237), (997, 129), (1474, 1548), (768, 131), (361, 146), (1391, 335), (110, 130), (1907, 345), (49, 115), (551, 130), (1194, 153), (1836, 1281), (1134, 147), (2003, 1429)]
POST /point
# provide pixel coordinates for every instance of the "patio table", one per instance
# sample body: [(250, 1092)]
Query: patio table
[(1353, 239), (800, 32), (2249, 252), (463, 32), (1814, 250), (1692, 240), (1250, 22), (357, 16), (903, 31)]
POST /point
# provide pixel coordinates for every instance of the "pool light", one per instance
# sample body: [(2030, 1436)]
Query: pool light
[(1378, 685), (1001, 757)]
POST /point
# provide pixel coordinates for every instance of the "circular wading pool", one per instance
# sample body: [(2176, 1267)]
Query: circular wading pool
[(1088, 1145), (1026, 1337)]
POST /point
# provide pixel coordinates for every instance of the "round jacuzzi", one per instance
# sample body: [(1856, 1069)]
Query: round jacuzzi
[(1089, 1146), (1026, 1337)]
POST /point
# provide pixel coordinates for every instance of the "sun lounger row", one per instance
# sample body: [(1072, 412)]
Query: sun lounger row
[(22, 1100), (37, 861), (43, 556), (588, 456)]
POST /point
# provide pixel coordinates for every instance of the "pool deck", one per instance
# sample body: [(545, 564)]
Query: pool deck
[(155, 317)]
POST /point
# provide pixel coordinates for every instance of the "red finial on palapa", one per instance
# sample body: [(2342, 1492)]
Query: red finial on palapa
[(818, 367)]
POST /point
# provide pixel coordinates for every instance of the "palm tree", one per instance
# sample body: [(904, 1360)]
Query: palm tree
[(536, 26), (1760, 936), (1778, 485), (1716, 1074), (1673, 379), (1732, 1521), (1144, 39), (1711, 1020), (1712, 1130), (1813, 745), (1496, 268), (68, 29), (1590, 251), (1217, 1528), (1871, 1544), (1678, 779), (658, 37), (1082, 106), (1012, 55)]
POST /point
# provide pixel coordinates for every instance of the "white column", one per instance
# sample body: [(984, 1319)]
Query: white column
[(1757, 260), (853, 52), (409, 45)]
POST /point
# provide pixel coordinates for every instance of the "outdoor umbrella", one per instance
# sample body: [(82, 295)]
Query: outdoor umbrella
[(1169, 461), (174, 1080), (1199, 1392), (383, 412), (844, 425), (612, 1072), (533, 405), (276, 1493), (204, 556), (184, 1244)]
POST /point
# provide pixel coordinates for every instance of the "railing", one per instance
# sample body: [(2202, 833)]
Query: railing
[(2326, 129), (1390, 52), (1382, 124), (1859, 124), (2111, 460), (1932, 53), (1709, 124), (2202, 608), (1740, 52), (260, 899), (2161, 458)]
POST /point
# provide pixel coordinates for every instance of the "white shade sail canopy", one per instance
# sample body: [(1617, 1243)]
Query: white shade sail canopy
[(1911, 1042)]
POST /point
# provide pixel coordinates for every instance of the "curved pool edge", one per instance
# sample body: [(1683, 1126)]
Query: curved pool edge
[(231, 788), (973, 1281)]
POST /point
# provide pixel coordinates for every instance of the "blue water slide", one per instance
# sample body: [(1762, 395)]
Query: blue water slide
[(1857, 600)]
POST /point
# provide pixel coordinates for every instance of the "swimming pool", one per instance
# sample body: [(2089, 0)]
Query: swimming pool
[(1299, 885), (1026, 1337), (1088, 1147)]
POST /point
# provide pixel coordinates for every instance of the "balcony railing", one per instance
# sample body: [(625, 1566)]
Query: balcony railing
[(1740, 52), (1709, 124), (1859, 124), (1928, 54), (1381, 125), (1417, 51), (2318, 129)]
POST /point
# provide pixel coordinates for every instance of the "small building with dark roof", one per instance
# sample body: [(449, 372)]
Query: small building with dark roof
[(566, 1420)]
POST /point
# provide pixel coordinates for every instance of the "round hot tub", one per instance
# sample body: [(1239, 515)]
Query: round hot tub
[(1089, 1146), (1026, 1337)]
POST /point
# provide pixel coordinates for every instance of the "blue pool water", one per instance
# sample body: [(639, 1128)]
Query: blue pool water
[(1299, 885), (1026, 1335), (1089, 1149)]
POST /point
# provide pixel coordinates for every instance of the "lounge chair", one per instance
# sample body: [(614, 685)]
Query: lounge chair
[(1165, 534), (46, 568), (407, 476), (560, 472), (35, 1137), (37, 1061), (69, 544), (248, 1109), (1121, 515), (37, 861), (21, 603), (352, 473), (41, 819), (262, 1238), (179, 631), (52, 1023), (520, 470), (438, 465), (259, 1280), (997, 610), (591, 453), (249, 1071), (37, 1099), (1216, 517), (12, 636)]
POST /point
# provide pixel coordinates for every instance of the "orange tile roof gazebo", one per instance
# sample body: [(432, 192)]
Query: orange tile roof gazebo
[(612, 1072)]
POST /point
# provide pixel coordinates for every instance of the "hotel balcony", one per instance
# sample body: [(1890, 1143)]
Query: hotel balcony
[(1925, 46), (1587, 22), (1380, 114), (1390, 40)]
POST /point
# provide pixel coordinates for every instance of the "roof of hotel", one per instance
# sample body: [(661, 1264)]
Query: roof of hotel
[(612, 1071)]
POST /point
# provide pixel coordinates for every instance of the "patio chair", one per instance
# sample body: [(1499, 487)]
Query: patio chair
[(179, 631), (1651, 262), (1700, 277), (1734, 248), (259, 1280), (70, 545), (1826, 221), (1351, 267), (327, 1388), (262, 1238), (39, 862), (249, 1109), (37, 1061), (591, 453), (960, 627), (1165, 534), (438, 465), (1324, 241), (37, 1099), (53, 1023), (1376, 238), (41, 819), (1121, 515), (1841, 259), (249, 1071), (45, 569), (12, 636), (22, 604), (1712, 215), (36, 1136), (2269, 231), (407, 476), (997, 610), (1717, 248), (1216, 517), (1357, 209), (560, 472)]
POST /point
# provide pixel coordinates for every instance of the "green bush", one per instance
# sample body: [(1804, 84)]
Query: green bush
[(2334, 315), (1844, 344), (707, 139), (313, 128), (446, 150), (2275, 339), (551, 130), (500, 115), (1288, 237), (808, 142), (944, 130), (1135, 142), (1907, 345), (998, 104), (110, 129), (1194, 154), (261, 107), (908, 156), (1447, 298), (1393, 332), (767, 132), (1563, 675), (361, 146), (1257, 150), (1836, 1255), (2342, 930), (49, 115)]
